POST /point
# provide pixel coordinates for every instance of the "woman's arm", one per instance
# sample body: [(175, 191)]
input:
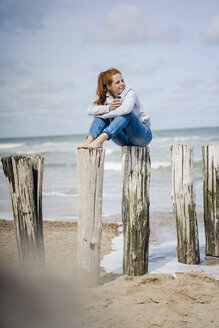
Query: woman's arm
[(126, 107), (98, 109)]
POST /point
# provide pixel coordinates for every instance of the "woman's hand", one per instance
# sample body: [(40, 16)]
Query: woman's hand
[(115, 104)]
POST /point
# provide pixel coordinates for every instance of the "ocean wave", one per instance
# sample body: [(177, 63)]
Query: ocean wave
[(188, 139), (71, 194), (48, 147), (117, 166), (6, 146), (59, 193), (160, 165), (113, 166), (112, 151)]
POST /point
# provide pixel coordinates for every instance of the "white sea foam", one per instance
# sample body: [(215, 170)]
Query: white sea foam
[(162, 259), (113, 166), (59, 193), (172, 139), (159, 165), (5, 146), (47, 147), (112, 262)]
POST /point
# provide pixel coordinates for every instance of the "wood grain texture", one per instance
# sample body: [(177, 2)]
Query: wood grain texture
[(211, 198), (135, 209), (90, 165), (24, 175), (183, 195)]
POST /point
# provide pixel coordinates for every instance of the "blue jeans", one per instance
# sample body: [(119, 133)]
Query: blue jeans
[(126, 130)]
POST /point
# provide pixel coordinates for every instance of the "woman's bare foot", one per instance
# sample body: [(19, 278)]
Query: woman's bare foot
[(94, 144), (86, 142), (98, 142)]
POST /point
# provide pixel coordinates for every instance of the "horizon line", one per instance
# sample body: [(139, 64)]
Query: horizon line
[(84, 133)]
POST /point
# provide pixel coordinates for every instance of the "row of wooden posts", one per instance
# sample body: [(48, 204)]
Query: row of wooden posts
[(24, 175)]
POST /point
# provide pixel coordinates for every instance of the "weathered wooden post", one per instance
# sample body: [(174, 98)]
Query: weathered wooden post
[(90, 165), (183, 195), (24, 175), (135, 209), (211, 198)]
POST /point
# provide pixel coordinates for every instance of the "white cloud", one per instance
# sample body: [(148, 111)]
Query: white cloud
[(134, 67), (211, 33), (188, 82), (213, 89), (14, 67), (33, 86), (180, 97), (143, 66), (126, 24), (148, 90), (26, 108)]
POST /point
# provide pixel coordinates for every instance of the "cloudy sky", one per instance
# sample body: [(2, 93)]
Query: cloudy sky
[(53, 50)]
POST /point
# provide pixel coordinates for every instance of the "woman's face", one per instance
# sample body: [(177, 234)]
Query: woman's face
[(117, 85)]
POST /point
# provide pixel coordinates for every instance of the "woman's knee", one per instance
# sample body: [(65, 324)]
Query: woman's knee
[(128, 116), (142, 140), (148, 138), (125, 116), (98, 120)]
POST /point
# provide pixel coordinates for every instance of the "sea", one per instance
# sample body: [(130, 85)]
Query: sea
[(60, 190)]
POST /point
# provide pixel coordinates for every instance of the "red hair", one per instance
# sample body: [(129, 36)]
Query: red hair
[(104, 80)]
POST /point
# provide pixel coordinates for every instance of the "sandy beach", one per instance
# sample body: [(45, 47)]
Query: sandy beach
[(54, 299)]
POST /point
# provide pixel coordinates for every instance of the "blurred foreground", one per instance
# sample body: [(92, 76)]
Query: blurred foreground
[(52, 296)]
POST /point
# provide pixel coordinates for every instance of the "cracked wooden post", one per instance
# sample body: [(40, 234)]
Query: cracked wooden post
[(211, 198), (24, 176), (135, 209), (90, 166), (183, 195)]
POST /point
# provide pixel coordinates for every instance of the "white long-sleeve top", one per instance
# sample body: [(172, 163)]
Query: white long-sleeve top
[(130, 103)]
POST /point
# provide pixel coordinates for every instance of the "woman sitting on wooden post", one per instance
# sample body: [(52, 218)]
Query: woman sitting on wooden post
[(118, 114)]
